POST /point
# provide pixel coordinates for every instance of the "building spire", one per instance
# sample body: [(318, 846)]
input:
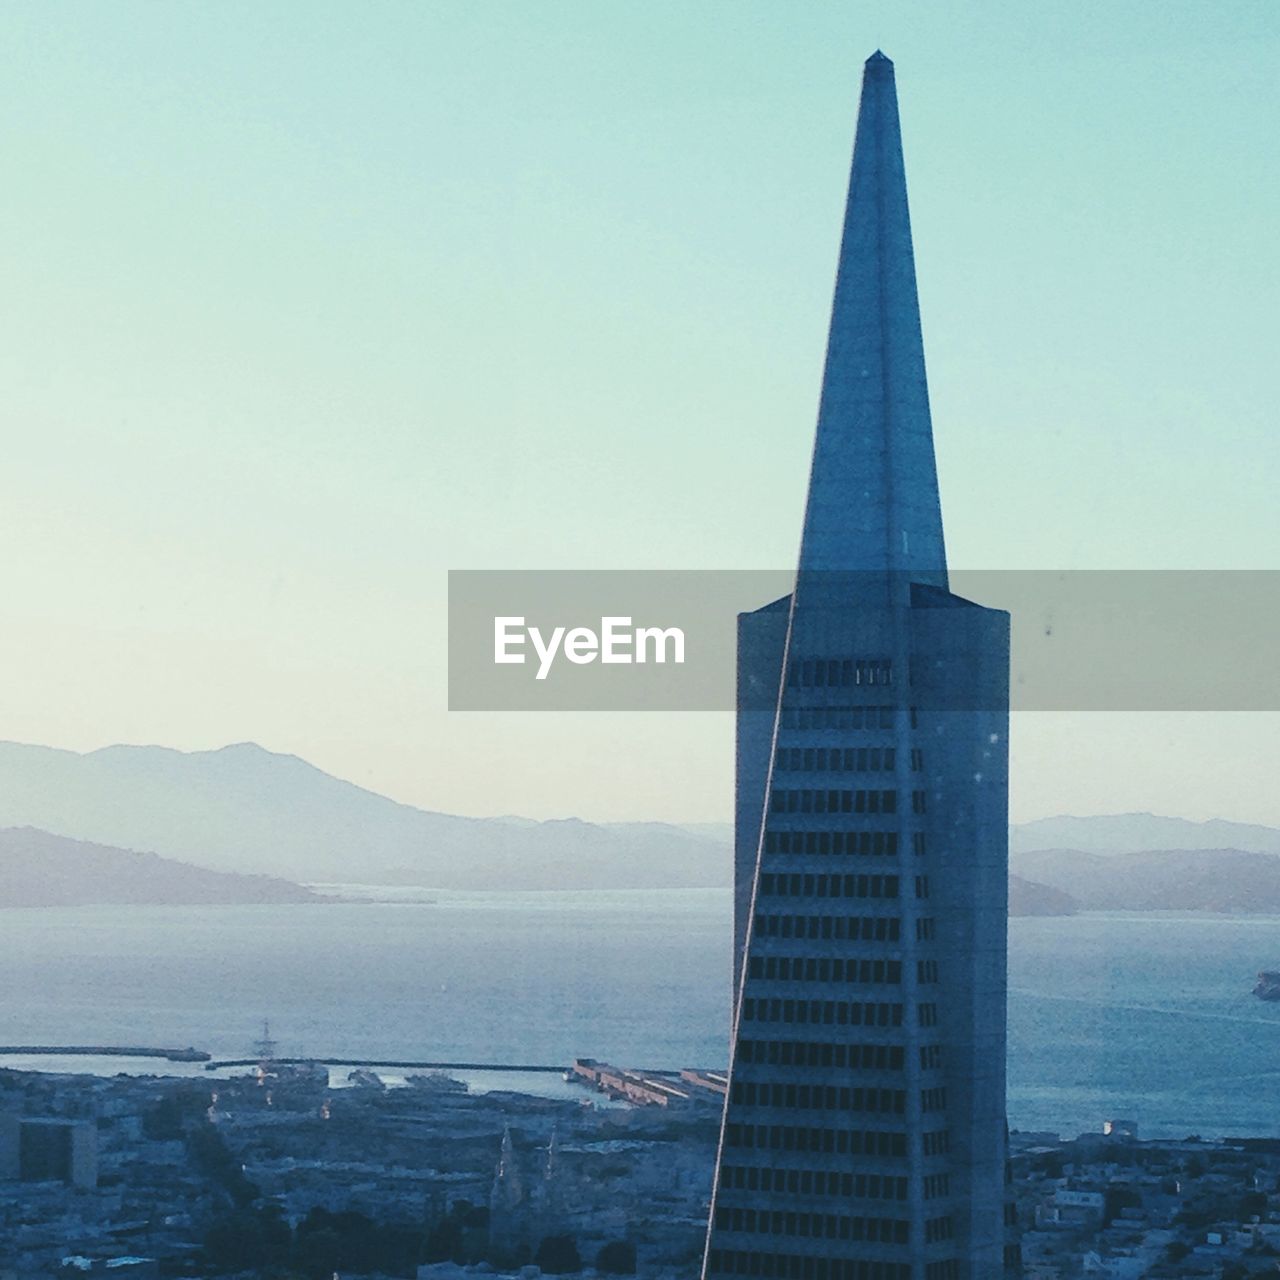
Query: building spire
[(873, 490)]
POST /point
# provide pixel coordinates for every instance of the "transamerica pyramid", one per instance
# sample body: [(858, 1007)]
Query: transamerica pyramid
[(864, 1132)]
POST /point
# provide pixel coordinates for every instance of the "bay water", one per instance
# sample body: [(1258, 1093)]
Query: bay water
[(1141, 1016)]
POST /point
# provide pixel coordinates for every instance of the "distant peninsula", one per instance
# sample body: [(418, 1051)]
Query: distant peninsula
[(42, 870), (1226, 881)]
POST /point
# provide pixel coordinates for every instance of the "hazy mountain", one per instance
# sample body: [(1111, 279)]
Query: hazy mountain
[(1029, 898), (1226, 880), (42, 870), (720, 832), (1130, 832), (248, 810)]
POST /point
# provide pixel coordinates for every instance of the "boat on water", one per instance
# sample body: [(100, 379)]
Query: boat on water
[(188, 1054), (437, 1082), (313, 1073), (1268, 986)]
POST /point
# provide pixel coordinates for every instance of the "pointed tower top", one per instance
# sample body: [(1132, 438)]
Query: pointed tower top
[(873, 491)]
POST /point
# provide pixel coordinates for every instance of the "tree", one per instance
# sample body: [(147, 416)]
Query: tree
[(1253, 1204), (247, 1238), (319, 1252), (457, 1236), (617, 1258), (1116, 1199), (167, 1118), (558, 1256), (211, 1155)]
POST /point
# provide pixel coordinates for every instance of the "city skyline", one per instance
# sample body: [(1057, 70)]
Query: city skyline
[(251, 329)]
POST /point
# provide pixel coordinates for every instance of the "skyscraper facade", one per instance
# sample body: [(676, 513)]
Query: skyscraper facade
[(864, 1132)]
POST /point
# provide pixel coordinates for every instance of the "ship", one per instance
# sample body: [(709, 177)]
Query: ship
[(1268, 987), (437, 1082), (186, 1055)]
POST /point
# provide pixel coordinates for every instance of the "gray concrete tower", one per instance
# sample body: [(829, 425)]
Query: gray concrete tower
[(864, 1132)]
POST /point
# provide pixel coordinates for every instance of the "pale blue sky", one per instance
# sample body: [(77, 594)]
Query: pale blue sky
[(305, 304)]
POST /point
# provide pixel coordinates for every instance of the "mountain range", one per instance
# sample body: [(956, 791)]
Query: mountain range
[(247, 810), (1237, 881), (1136, 832), (270, 822)]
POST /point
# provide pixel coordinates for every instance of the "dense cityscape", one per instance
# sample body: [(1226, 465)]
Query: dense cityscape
[(276, 1174)]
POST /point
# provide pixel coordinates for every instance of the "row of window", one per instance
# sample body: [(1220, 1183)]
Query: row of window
[(926, 972), (835, 969), (833, 801), (835, 759), (883, 1144), (840, 1013), (790, 1266), (930, 1057), (933, 1099), (865, 843), (816, 1182), (851, 886), (839, 673), (821, 1053), (937, 1143), (847, 928), (818, 1097), (815, 1226), (936, 1229), (875, 717), (945, 1269), (936, 1185)]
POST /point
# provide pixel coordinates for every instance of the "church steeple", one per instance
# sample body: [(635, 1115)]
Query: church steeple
[(873, 491)]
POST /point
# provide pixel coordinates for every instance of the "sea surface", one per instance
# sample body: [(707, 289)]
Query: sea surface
[(1148, 1017)]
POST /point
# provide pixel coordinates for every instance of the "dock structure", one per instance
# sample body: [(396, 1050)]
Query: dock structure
[(652, 1088), (101, 1051), (392, 1064), (716, 1082)]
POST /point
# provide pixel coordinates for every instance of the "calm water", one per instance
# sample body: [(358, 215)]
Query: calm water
[(1143, 1016)]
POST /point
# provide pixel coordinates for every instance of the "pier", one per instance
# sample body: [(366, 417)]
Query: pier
[(102, 1051), (381, 1062)]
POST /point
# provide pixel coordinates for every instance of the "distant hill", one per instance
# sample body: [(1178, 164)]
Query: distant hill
[(720, 832), (1224, 880), (248, 810), (42, 870), (1131, 832), (1029, 898)]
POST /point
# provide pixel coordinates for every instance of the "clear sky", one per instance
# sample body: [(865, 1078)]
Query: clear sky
[(305, 304)]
